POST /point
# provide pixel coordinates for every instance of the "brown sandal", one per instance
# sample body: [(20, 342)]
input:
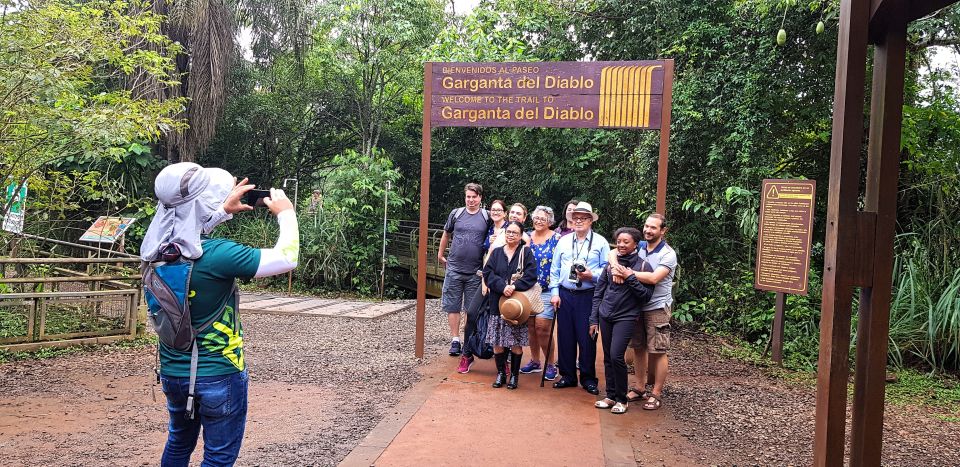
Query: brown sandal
[(640, 394), (652, 403)]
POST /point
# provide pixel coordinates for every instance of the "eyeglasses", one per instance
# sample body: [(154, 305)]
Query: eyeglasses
[(578, 220), (496, 210), (540, 219), (512, 233)]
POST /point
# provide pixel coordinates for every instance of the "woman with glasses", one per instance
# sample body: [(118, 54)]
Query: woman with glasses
[(498, 214), (516, 213), (542, 243), (510, 269)]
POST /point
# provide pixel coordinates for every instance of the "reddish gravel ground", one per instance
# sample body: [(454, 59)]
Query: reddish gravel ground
[(319, 385)]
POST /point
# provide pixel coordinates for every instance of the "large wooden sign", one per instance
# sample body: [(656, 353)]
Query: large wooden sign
[(548, 94), (786, 227)]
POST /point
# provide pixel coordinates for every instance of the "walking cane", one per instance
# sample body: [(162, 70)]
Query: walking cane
[(543, 375)]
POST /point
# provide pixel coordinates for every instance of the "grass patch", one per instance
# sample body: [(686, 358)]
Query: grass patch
[(13, 322), (52, 352), (939, 393)]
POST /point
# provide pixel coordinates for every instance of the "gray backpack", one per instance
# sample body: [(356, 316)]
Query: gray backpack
[(166, 287)]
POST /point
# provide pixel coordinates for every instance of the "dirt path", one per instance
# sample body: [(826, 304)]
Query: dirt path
[(319, 385)]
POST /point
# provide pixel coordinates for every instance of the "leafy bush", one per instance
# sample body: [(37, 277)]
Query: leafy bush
[(924, 310), (341, 240)]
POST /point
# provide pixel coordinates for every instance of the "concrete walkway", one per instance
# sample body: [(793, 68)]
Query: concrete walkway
[(454, 419)]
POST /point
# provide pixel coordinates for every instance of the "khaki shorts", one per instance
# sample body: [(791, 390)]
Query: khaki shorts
[(652, 331)]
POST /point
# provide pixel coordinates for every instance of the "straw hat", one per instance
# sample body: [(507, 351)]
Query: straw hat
[(515, 309), (587, 208)]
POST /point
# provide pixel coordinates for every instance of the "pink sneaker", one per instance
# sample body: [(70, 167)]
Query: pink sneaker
[(465, 364)]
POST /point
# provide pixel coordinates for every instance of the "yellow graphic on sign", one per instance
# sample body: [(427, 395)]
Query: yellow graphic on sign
[(773, 193), (625, 96)]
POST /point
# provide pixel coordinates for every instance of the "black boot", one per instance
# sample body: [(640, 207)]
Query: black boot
[(514, 370), (501, 361)]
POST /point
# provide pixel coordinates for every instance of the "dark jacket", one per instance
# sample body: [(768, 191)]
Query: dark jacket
[(498, 270), (620, 302)]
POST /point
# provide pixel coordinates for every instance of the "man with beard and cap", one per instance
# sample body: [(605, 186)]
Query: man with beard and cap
[(192, 201)]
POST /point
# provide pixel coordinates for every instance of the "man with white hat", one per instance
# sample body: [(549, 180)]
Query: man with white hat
[(577, 261), (192, 201)]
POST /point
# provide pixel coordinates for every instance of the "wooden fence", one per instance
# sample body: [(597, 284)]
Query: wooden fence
[(50, 299)]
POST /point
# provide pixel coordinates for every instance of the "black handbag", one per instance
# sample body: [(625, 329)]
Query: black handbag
[(475, 333)]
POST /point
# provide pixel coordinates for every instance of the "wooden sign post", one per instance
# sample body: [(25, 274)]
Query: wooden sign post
[(633, 95), (783, 245)]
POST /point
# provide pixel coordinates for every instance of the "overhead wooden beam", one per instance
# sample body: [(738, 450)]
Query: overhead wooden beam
[(883, 168), (840, 253), (917, 9)]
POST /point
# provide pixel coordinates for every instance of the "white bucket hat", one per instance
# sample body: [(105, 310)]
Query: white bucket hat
[(190, 205)]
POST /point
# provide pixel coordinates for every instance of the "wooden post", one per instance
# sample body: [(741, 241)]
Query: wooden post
[(839, 267), (664, 136), (424, 208), (777, 335), (883, 159)]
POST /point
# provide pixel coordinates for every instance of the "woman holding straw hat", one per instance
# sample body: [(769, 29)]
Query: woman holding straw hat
[(510, 269)]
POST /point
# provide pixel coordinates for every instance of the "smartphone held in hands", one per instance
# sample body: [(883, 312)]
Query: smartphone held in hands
[(255, 198)]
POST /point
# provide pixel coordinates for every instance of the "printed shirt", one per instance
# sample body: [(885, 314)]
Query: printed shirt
[(662, 255), (211, 287), (569, 249), (466, 242), (543, 257)]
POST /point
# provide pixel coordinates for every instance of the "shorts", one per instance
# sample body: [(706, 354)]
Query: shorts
[(458, 289), (547, 312), (653, 331)]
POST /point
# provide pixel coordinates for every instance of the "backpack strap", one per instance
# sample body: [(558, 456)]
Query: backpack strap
[(195, 350), (456, 215), (194, 359)]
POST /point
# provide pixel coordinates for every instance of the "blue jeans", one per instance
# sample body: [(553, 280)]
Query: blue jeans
[(221, 409)]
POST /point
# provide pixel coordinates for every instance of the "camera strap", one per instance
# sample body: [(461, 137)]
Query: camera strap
[(577, 250)]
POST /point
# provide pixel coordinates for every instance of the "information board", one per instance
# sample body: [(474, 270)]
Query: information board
[(786, 228), (107, 229), (548, 94)]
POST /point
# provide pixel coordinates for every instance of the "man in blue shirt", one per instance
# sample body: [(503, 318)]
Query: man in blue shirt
[(577, 261)]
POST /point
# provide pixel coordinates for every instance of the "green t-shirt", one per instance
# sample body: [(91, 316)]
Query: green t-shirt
[(211, 286)]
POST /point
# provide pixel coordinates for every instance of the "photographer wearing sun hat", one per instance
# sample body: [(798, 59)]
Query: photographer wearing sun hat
[(192, 201), (577, 263)]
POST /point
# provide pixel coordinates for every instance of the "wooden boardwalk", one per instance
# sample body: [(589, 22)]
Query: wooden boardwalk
[(276, 304)]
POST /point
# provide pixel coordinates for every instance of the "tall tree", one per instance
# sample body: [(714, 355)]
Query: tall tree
[(207, 32), (376, 48)]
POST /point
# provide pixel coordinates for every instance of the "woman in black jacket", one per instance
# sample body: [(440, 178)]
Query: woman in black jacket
[(505, 274), (615, 311)]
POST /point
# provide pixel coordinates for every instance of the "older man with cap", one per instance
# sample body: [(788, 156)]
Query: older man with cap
[(192, 201), (577, 261)]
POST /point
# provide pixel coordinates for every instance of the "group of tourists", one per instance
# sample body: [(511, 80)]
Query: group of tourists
[(516, 285)]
